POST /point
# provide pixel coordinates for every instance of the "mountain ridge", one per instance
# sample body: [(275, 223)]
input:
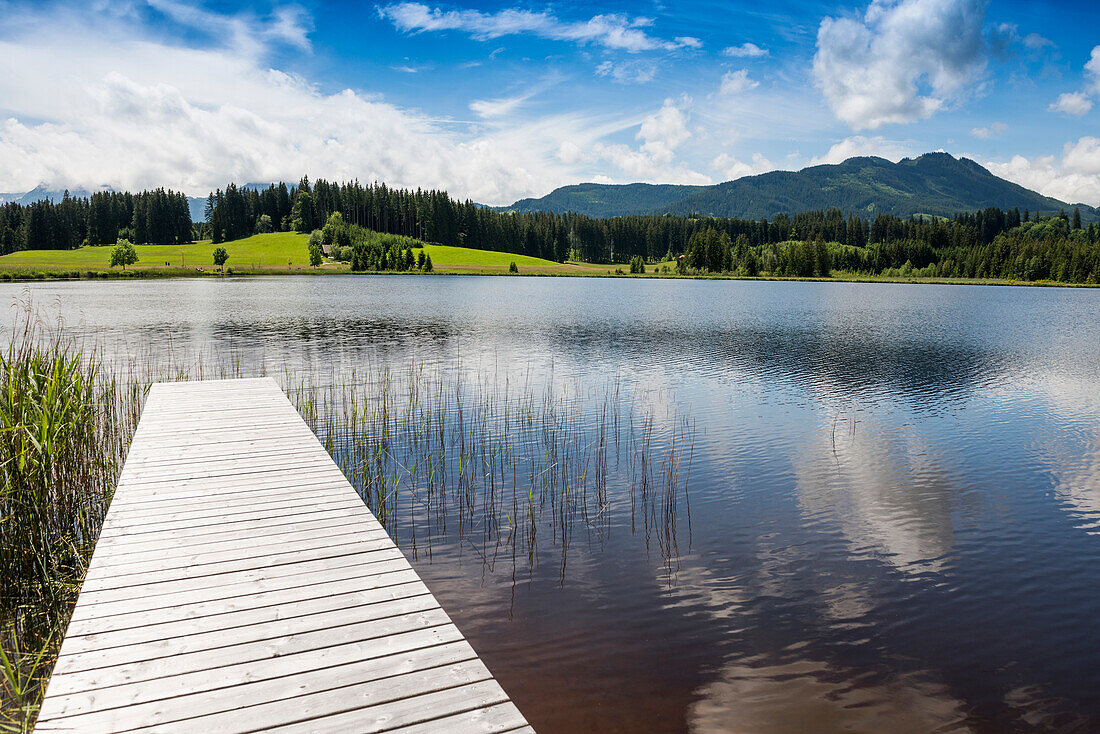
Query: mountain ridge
[(196, 204), (934, 183)]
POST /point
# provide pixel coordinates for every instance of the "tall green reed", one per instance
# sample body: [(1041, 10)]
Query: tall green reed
[(511, 471), (64, 428), (440, 452)]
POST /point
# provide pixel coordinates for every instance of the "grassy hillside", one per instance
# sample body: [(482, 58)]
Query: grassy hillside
[(934, 183), (279, 252)]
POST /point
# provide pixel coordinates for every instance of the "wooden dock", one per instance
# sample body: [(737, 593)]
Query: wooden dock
[(240, 584)]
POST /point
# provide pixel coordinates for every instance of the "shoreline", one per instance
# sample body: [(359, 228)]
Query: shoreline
[(46, 276)]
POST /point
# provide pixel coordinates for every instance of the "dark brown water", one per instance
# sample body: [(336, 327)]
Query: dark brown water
[(890, 524)]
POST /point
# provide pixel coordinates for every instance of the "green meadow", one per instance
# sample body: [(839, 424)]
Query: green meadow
[(277, 252)]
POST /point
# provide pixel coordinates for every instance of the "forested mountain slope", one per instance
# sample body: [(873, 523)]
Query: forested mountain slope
[(934, 183)]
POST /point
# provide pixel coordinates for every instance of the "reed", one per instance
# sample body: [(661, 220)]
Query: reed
[(498, 469), (65, 425), (514, 473), (66, 422)]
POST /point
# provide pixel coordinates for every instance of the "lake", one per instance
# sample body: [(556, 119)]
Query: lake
[(885, 514)]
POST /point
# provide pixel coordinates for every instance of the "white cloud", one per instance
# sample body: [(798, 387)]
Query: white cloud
[(858, 145), (736, 82), (488, 108), (1078, 103), (1035, 42), (664, 131), (99, 99), (250, 35), (613, 31), (1092, 70), (1074, 177), (1005, 36), (902, 61), (654, 160), (1072, 103), (745, 51), (730, 168), (994, 130), (1083, 157), (628, 72)]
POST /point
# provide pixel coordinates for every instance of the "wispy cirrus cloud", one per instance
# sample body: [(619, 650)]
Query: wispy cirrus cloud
[(993, 130), (612, 31), (248, 33), (628, 72)]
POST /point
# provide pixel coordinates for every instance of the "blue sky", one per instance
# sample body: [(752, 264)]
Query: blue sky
[(495, 101)]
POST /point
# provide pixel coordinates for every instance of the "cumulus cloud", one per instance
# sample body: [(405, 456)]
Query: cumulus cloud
[(745, 51), (901, 61), (662, 132), (96, 99), (736, 82), (654, 160), (730, 167), (1079, 103), (1072, 103), (1092, 70), (858, 145), (613, 31), (994, 130), (1073, 177)]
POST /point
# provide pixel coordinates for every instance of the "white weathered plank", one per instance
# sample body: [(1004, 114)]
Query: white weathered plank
[(97, 638), (369, 701), (277, 598), (115, 708), (240, 584), (133, 575), (74, 691), (423, 709)]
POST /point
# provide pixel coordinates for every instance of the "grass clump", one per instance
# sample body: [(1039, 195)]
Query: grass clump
[(64, 429)]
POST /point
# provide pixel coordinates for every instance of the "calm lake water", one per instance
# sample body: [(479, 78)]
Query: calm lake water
[(892, 516)]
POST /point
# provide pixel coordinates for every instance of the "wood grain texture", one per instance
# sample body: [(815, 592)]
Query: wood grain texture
[(240, 584)]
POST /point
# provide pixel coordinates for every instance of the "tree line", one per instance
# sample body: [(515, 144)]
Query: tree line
[(990, 243), (161, 216), (1017, 254), (434, 216)]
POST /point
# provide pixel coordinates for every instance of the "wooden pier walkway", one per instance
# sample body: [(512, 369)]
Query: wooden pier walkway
[(240, 584)]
